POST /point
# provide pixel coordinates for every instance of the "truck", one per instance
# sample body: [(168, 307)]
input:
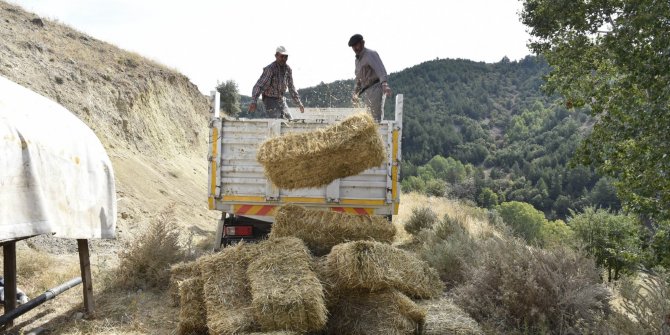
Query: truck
[(247, 199)]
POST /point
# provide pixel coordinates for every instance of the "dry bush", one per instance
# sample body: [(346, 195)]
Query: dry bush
[(449, 249), (514, 287), (421, 218), (316, 158), (646, 305), (146, 261)]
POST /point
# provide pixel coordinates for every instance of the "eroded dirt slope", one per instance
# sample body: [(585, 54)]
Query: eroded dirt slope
[(151, 119)]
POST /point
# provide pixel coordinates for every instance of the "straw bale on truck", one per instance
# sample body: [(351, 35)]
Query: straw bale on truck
[(286, 293), (375, 266), (332, 159), (322, 230), (316, 158)]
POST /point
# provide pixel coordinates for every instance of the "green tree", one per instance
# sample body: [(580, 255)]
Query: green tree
[(613, 239), (230, 97), (525, 220), (487, 198), (612, 57)]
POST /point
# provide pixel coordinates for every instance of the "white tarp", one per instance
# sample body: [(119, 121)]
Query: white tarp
[(55, 176)]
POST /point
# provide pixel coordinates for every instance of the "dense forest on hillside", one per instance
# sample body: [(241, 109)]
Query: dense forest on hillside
[(487, 133)]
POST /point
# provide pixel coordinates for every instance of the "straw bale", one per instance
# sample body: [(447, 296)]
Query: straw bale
[(286, 293), (192, 314), (377, 266), (316, 158), (279, 332), (228, 296), (375, 313), (445, 318), (322, 230), (178, 273)]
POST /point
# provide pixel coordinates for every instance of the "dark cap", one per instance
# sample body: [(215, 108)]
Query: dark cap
[(355, 39)]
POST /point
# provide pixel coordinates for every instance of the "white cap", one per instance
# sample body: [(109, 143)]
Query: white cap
[(281, 50)]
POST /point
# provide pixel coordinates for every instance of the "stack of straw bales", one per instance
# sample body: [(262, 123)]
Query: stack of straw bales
[(192, 314), (268, 287), (322, 230), (178, 273), (374, 266), (286, 293), (228, 296), (445, 318), (384, 313), (276, 286), (316, 158), (368, 284)]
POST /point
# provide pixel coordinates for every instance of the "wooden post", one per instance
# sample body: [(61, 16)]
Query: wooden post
[(87, 283), (9, 268)]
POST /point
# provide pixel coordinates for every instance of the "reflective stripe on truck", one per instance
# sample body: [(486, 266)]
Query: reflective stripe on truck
[(269, 210)]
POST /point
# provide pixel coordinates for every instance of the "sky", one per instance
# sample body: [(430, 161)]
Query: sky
[(212, 41)]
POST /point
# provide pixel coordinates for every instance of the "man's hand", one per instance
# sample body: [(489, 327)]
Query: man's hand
[(302, 108), (386, 89), (252, 107), (354, 98)]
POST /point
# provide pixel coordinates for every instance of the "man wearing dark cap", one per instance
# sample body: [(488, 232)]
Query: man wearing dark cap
[(371, 77), (273, 83)]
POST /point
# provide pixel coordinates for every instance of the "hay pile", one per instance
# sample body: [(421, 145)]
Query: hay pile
[(277, 287), (178, 273), (445, 318), (322, 230), (286, 293), (375, 266), (228, 296), (382, 313), (316, 158), (192, 314)]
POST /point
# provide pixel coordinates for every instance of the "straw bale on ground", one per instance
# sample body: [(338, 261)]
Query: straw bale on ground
[(279, 332), (322, 230), (192, 314), (377, 313), (228, 297), (178, 273), (286, 293), (316, 158), (377, 266), (445, 318)]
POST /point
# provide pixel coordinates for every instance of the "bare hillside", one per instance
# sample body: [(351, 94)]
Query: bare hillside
[(151, 119)]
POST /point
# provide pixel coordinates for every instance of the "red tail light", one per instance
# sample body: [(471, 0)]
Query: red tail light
[(239, 231)]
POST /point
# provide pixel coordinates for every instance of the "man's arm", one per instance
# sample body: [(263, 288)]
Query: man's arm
[(376, 63), (259, 87), (294, 93)]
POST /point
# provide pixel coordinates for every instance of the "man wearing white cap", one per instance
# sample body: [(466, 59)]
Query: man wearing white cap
[(273, 83)]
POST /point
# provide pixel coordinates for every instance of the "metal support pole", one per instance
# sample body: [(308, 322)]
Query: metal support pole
[(9, 316)]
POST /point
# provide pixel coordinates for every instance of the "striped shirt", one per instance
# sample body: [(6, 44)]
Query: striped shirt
[(369, 67), (274, 82)]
